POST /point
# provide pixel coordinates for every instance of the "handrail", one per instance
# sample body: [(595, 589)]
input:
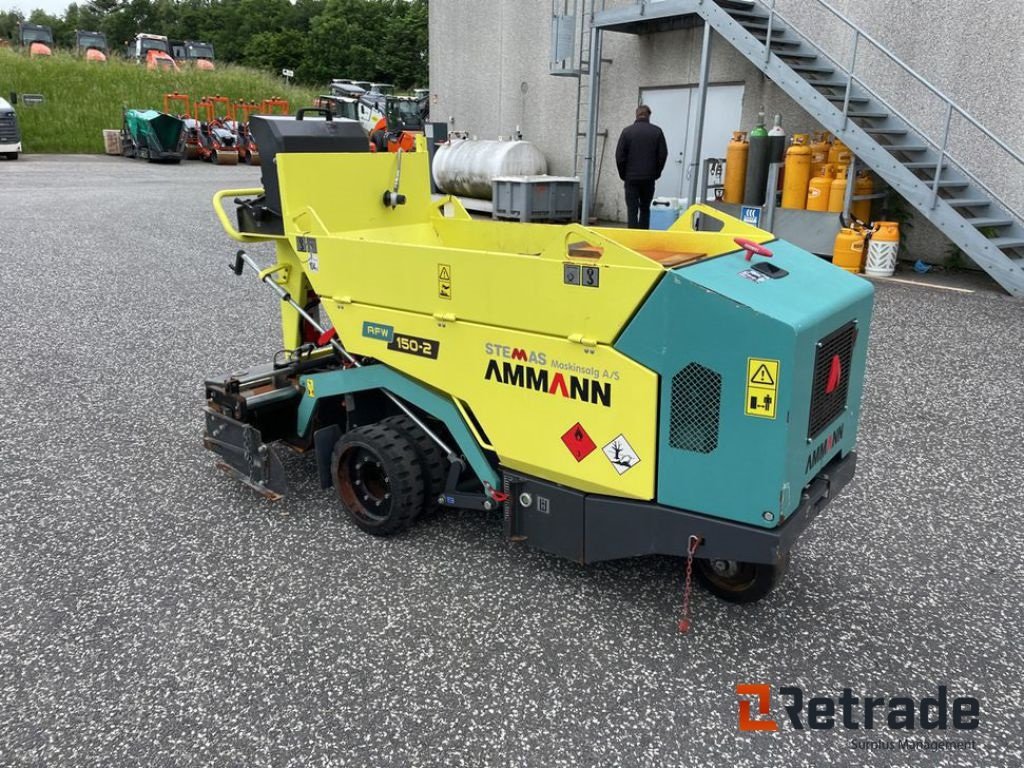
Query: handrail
[(951, 106), (908, 69)]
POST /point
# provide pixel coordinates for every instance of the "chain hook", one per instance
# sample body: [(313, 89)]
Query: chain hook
[(684, 622)]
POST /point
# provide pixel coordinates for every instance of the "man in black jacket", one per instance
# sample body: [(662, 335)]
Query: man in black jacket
[(640, 157)]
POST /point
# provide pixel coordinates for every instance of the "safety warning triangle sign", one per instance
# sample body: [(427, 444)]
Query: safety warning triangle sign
[(763, 377)]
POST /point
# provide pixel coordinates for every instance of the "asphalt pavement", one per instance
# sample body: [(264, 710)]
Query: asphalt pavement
[(154, 612)]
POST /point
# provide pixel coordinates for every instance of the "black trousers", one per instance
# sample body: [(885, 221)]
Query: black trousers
[(639, 194)]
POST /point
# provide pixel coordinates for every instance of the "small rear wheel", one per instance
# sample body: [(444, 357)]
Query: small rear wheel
[(739, 582), (432, 458), (378, 478)]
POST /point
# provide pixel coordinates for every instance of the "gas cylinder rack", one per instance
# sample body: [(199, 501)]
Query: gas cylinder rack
[(814, 231)]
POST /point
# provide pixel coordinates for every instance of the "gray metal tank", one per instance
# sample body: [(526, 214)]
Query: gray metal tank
[(466, 167)]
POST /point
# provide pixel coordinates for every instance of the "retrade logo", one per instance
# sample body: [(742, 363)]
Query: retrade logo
[(763, 696), (822, 713)]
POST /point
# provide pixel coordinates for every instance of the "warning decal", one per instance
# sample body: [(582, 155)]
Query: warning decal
[(578, 442), (621, 454), (444, 281), (762, 387)]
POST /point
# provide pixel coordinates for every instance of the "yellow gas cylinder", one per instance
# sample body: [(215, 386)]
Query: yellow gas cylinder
[(861, 209), (818, 189), (736, 168), (848, 249), (837, 191), (839, 155), (798, 173), (819, 152), (883, 249)]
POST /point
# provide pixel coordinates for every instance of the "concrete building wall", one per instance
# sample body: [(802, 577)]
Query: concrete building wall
[(489, 74)]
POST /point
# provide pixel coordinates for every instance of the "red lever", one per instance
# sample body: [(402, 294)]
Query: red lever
[(325, 338), (751, 248)]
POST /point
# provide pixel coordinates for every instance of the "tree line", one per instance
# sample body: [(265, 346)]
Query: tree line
[(376, 40)]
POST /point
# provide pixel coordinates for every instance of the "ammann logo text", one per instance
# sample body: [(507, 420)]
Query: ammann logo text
[(540, 380), (823, 448)]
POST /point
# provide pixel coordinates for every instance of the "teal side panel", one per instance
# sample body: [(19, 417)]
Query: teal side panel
[(345, 381), (708, 315)]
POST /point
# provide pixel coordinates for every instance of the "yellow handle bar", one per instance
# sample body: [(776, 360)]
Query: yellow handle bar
[(225, 222)]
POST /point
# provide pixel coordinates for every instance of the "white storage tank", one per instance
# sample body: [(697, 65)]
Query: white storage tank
[(466, 167)]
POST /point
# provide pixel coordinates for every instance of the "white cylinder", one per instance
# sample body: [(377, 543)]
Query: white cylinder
[(466, 166), (881, 261)]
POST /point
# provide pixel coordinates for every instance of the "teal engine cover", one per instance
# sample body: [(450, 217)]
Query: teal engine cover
[(761, 378)]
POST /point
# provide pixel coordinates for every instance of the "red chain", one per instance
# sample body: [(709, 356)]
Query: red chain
[(684, 622)]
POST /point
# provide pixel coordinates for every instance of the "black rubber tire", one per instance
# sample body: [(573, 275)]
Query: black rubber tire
[(12, 155), (380, 140), (749, 583), (378, 478), (432, 458)]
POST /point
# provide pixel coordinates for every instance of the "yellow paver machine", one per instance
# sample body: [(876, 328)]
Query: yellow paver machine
[(613, 392)]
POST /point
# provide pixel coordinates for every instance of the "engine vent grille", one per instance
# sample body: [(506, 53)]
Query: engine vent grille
[(831, 381), (696, 401)]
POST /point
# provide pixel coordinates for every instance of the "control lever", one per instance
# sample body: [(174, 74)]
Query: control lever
[(751, 248)]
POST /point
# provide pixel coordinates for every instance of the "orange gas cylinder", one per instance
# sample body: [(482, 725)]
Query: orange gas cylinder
[(837, 191), (736, 168), (798, 173), (819, 152), (818, 190), (883, 249), (839, 155), (861, 209), (848, 249)]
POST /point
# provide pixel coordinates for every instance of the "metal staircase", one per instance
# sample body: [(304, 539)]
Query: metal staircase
[(914, 161)]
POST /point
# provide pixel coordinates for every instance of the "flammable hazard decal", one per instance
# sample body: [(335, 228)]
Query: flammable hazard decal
[(579, 442), (762, 387)]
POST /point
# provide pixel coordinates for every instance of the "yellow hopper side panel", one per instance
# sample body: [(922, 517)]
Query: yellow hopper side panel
[(584, 416), (552, 280)]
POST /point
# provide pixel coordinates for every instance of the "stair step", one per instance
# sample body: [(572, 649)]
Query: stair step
[(795, 54), (919, 164), (943, 184), (1007, 242), (853, 99), (904, 147), (746, 13), (869, 115), (761, 34), (752, 25), (989, 221), (967, 202), (886, 131), (828, 83), (816, 68)]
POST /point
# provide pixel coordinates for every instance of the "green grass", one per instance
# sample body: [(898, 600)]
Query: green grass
[(83, 98)]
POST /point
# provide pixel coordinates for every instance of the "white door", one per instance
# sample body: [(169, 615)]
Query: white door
[(674, 109), (670, 110)]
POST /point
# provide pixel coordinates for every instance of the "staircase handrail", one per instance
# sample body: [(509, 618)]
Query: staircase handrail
[(950, 104)]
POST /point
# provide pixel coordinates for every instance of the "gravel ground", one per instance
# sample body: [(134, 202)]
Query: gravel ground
[(154, 612)]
